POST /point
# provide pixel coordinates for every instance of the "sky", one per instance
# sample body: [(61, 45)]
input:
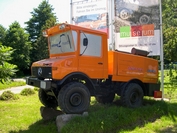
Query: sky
[(19, 10)]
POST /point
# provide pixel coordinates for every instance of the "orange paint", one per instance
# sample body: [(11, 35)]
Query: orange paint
[(120, 65)]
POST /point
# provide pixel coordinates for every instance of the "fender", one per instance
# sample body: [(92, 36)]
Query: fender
[(135, 81), (78, 75)]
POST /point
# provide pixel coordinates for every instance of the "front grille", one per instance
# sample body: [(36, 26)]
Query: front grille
[(42, 72)]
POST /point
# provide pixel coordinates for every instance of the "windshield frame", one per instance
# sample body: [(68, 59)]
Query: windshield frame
[(61, 43)]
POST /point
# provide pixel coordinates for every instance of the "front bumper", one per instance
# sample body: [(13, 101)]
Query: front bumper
[(43, 84)]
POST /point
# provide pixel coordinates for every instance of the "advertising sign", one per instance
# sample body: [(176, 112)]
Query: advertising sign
[(90, 14), (137, 25)]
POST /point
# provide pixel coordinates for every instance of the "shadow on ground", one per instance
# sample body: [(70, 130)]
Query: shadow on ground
[(151, 111), (116, 112), (40, 126)]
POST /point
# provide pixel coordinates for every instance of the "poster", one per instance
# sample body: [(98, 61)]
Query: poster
[(90, 14), (136, 25)]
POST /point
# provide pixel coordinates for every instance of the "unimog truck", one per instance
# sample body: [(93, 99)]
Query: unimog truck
[(80, 66)]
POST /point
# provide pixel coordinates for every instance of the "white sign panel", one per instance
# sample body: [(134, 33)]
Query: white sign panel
[(137, 25), (89, 7), (90, 14)]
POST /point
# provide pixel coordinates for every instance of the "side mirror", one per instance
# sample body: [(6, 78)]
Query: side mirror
[(85, 42)]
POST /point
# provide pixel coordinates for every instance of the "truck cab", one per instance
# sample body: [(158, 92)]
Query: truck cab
[(77, 55), (80, 66), (73, 49)]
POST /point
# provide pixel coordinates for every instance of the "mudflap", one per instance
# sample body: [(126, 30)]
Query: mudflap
[(157, 94), (153, 90)]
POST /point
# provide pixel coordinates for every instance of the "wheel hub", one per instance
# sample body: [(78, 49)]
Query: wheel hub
[(75, 99), (134, 97)]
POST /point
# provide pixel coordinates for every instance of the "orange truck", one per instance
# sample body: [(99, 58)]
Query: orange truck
[(80, 66)]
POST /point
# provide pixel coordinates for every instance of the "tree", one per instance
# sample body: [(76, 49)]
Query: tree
[(43, 40), (2, 34), (6, 69), (42, 18), (169, 16), (170, 46), (18, 40)]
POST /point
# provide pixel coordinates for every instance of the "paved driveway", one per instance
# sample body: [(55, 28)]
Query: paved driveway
[(17, 89)]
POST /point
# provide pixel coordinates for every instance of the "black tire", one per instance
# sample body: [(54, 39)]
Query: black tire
[(105, 99), (74, 98), (47, 100), (132, 95)]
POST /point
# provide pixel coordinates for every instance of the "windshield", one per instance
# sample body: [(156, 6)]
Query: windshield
[(61, 43)]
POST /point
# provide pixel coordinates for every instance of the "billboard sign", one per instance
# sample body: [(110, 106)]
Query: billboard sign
[(90, 14), (136, 25)]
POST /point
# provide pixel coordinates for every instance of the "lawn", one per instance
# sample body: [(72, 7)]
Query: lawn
[(11, 84), (23, 115)]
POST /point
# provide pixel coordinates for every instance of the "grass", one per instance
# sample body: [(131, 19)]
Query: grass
[(8, 95), (117, 119), (23, 115), (11, 84), (170, 84)]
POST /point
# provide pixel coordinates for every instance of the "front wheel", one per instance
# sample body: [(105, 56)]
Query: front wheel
[(47, 100), (74, 98), (132, 95)]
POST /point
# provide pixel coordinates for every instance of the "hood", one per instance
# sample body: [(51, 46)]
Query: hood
[(50, 61)]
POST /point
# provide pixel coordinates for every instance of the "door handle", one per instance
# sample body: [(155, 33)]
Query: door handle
[(100, 63)]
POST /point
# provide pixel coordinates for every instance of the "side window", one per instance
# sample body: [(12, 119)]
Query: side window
[(94, 45), (74, 33)]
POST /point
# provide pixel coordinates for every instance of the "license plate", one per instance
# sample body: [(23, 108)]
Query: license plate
[(43, 85)]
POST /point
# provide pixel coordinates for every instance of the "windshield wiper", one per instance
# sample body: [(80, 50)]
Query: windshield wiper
[(69, 41)]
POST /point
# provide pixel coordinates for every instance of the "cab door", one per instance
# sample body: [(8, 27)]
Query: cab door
[(91, 55)]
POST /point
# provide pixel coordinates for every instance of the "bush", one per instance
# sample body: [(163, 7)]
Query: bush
[(27, 91), (8, 95), (36, 88), (7, 70)]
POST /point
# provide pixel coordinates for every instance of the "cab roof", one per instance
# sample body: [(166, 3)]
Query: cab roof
[(65, 27)]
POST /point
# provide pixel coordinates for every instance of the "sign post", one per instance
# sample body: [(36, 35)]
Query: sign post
[(161, 52)]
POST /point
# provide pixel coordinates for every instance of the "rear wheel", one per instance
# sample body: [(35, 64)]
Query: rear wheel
[(47, 100), (74, 98), (132, 95), (105, 99)]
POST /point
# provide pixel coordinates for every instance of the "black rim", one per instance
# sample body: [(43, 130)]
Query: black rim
[(134, 97), (76, 99)]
